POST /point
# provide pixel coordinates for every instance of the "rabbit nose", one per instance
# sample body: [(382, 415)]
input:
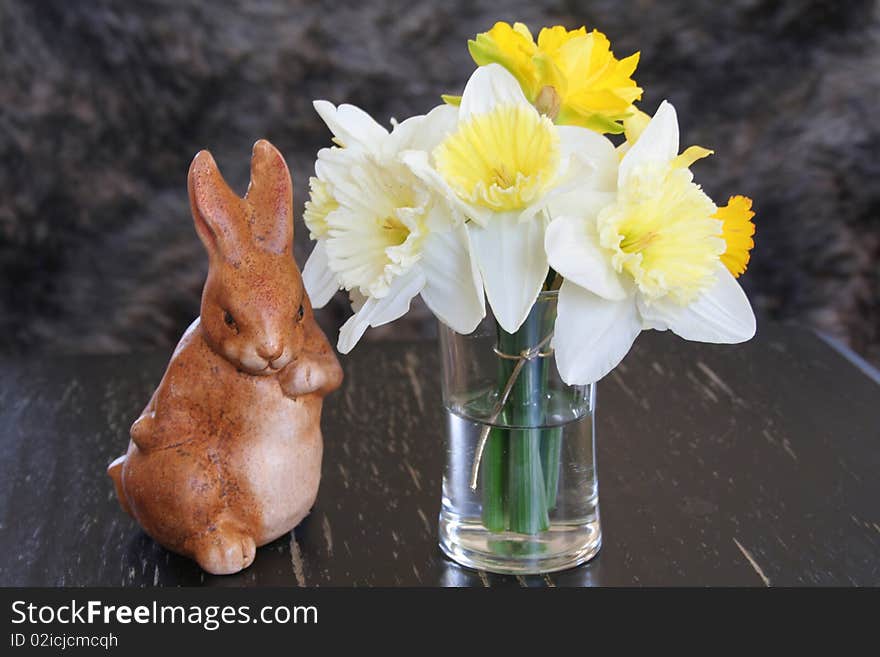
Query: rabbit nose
[(270, 351)]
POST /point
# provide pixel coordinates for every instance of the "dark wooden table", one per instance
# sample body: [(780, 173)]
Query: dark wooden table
[(753, 465)]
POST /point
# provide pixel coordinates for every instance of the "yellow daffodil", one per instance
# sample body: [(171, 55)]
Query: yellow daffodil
[(569, 75), (651, 258), (383, 234), (737, 230)]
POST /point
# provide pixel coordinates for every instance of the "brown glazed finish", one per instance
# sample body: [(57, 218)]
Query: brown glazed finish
[(227, 454)]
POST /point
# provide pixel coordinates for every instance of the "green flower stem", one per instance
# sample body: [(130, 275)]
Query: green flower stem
[(551, 444), (551, 453), (526, 491), (520, 467), (494, 480)]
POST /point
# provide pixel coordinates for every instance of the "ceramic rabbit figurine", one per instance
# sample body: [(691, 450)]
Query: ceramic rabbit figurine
[(227, 454)]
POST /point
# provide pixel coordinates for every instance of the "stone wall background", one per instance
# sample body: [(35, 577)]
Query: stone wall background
[(103, 104)]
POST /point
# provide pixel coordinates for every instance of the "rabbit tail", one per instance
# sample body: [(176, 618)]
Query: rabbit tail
[(115, 472)]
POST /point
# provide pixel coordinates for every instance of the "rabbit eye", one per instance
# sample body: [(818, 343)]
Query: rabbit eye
[(230, 320), (299, 313)]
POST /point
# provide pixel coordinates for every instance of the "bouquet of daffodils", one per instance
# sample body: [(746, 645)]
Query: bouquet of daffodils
[(513, 188)]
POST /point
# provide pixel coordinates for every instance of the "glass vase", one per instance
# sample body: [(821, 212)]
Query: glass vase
[(519, 486)]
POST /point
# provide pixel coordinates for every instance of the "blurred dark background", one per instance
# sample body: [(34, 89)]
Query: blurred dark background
[(103, 104)]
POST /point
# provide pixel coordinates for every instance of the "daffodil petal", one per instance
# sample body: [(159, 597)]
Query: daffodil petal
[(580, 203), (332, 163), (657, 143), (438, 123), (594, 149), (722, 314), (351, 126), (453, 291), (590, 170), (691, 154), (592, 334), (634, 124), (319, 280), (573, 250), (512, 47), (402, 136), (490, 86), (513, 264), (422, 133), (376, 312)]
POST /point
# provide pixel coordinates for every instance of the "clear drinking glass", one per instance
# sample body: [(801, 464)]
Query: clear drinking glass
[(519, 486)]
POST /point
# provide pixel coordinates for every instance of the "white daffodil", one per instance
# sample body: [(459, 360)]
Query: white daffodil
[(648, 259), (383, 234), (502, 165)]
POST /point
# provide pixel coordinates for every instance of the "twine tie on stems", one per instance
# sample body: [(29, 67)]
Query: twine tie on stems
[(521, 359)]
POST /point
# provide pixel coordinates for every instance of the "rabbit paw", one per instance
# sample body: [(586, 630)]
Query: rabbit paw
[(300, 378), (226, 551)]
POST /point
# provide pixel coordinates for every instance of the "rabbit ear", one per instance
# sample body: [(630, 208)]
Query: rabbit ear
[(216, 209), (270, 194)]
